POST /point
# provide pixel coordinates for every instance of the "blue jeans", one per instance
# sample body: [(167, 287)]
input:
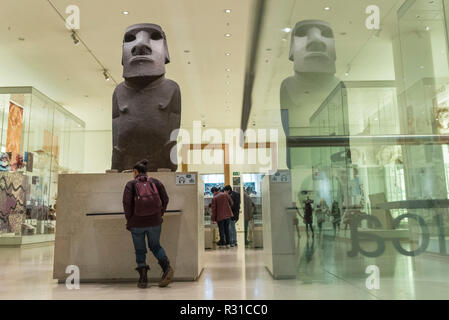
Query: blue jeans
[(223, 228), (246, 231), (153, 235), (232, 232)]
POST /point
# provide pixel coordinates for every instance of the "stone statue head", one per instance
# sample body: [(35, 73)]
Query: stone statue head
[(312, 47), (145, 51)]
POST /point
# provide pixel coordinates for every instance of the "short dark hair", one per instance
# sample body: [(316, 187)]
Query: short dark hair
[(214, 189), (141, 166), (228, 188)]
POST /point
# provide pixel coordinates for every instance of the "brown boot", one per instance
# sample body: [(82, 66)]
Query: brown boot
[(143, 280), (168, 272)]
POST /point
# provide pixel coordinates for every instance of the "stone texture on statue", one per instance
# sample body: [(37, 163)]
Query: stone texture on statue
[(146, 106), (312, 51)]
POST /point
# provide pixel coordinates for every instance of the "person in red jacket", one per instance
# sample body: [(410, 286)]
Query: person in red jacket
[(144, 218), (222, 214)]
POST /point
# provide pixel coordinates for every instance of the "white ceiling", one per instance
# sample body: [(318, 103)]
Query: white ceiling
[(48, 59)]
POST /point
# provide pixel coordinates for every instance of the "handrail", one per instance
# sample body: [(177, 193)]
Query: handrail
[(122, 213)]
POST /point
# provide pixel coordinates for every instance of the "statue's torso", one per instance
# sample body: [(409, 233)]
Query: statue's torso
[(142, 123)]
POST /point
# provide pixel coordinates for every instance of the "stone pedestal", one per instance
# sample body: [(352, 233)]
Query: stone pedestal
[(278, 229), (101, 246)]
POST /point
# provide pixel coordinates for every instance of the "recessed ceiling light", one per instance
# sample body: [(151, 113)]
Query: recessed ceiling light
[(427, 28), (346, 73), (287, 30), (228, 10), (228, 53), (327, 8), (125, 12), (227, 35), (227, 69)]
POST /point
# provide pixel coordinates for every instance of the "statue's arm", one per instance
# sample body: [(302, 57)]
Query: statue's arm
[(175, 115), (115, 116), (284, 104), (116, 159)]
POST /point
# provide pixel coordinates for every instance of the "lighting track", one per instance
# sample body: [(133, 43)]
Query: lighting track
[(83, 43)]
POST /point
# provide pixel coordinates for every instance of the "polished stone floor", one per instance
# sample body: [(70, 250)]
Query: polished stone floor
[(324, 272)]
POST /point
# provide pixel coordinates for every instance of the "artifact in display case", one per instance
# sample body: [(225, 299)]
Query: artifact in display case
[(146, 108), (12, 201), (4, 162), (208, 187)]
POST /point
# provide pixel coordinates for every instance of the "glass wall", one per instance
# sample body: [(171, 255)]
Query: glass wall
[(39, 140), (359, 92)]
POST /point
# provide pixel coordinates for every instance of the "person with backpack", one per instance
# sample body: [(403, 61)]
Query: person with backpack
[(145, 202), (235, 196)]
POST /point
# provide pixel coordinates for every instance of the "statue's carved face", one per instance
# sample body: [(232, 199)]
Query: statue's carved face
[(145, 51), (313, 47)]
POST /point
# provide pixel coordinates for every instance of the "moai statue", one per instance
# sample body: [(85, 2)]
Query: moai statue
[(146, 107), (312, 50)]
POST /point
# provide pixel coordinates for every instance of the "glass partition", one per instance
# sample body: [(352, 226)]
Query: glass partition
[(363, 111), (39, 140)]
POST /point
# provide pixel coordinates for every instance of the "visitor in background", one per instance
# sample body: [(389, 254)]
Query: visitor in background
[(222, 214), (308, 216), (144, 202), (235, 196), (322, 210), (336, 216), (249, 209)]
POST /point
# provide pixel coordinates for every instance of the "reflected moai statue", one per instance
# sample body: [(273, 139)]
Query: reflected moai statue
[(312, 50), (146, 107)]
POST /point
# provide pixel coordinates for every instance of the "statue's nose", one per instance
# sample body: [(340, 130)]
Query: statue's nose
[(315, 43), (143, 46)]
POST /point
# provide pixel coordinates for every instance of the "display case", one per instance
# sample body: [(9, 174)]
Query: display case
[(38, 140)]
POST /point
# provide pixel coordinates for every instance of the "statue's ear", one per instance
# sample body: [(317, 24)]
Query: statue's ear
[(167, 56)]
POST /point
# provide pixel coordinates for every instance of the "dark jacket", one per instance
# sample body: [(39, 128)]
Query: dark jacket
[(221, 207), (235, 196), (134, 221)]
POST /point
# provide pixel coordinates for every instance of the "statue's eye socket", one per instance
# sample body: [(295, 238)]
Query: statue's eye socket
[(130, 38), (326, 32), (301, 32), (156, 36)]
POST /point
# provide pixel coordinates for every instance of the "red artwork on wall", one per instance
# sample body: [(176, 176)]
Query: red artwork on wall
[(14, 133)]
